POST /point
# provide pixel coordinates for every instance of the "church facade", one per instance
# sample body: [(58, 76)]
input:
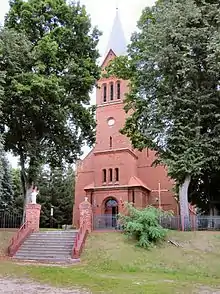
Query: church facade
[(113, 172)]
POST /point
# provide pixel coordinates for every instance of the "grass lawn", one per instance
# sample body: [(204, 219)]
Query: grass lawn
[(112, 264)]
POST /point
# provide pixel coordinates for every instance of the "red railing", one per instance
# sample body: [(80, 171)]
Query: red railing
[(80, 240), (19, 238)]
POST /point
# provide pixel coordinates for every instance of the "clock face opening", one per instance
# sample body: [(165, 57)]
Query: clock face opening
[(111, 121)]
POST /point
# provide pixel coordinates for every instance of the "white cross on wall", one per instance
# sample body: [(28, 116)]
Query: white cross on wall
[(159, 190)]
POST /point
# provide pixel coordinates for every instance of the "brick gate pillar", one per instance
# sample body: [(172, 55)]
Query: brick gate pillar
[(85, 210), (33, 216)]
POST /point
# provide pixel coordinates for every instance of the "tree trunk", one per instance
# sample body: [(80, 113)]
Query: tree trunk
[(23, 181), (27, 196), (210, 219), (27, 180), (26, 187), (215, 214), (184, 204)]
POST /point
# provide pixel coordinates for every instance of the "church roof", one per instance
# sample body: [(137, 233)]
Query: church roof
[(136, 182), (133, 182), (89, 187), (117, 42)]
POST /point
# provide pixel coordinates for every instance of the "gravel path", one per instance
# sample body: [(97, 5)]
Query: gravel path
[(12, 286)]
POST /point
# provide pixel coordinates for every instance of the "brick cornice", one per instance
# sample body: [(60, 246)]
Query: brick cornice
[(114, 187), (109, 103), (117, 150)]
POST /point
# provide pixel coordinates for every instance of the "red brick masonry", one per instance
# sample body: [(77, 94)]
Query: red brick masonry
[(85, 209), (33, 216), (113, 170)]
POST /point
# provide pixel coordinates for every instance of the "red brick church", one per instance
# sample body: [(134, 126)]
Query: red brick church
[(113, 172)]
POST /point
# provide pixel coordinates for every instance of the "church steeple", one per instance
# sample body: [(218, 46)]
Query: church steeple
[(117, 42)]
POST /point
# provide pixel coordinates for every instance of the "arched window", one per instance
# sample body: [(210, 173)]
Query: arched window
[(104, 175), (110, 142), (116, 174), (111, 203), (118, 90), (110, 175), (104, 92), (111, 91)]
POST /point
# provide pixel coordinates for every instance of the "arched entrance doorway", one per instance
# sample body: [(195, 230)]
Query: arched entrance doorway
[(111, 206), (111, 212), (108, 219)]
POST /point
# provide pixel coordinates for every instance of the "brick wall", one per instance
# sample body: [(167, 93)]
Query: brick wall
[(33, 216), (113, 150)]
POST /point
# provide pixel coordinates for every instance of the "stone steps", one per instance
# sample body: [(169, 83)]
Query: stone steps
[(46, 253), (39, 245), (44, 239), (47, 260), (51, 246), (47, 248)]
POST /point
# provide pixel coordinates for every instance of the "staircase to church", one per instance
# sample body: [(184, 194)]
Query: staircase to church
[(48, 246)]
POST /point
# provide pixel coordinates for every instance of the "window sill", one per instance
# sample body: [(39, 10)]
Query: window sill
[(110, 183)]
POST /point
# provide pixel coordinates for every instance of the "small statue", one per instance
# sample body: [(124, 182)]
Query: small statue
[(34, 195), (86, 199)]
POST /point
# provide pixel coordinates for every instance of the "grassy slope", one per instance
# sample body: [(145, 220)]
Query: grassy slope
[(4, 241), (111, 264)]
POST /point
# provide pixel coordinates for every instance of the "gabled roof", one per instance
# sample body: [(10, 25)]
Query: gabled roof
[(107, 56), (136, 182), (89, 187), (117, 42)]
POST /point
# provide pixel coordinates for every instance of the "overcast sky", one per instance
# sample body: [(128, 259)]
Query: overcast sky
[(102, 14)]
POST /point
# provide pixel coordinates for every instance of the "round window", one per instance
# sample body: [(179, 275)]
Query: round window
[(111, 121)]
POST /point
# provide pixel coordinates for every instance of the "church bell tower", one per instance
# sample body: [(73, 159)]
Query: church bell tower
[(113, 172), (110, 115)]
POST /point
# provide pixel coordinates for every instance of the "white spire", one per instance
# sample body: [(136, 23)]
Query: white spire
[(117, 42)]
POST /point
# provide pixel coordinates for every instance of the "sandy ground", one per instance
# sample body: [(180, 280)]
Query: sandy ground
[(206, 290), (12, 286)]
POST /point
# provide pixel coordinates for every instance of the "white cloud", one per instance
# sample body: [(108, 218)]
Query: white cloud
[(102, 14)]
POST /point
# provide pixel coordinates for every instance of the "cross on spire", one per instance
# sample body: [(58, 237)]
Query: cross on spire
[(117, 3), (159, 190)]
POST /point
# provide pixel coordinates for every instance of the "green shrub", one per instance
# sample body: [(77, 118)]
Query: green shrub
[(144, 225)]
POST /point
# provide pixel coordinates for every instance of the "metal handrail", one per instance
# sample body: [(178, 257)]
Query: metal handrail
[(80, 240), (18, 239)]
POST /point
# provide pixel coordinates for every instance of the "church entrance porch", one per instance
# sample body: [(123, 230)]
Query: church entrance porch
[(107, 220)]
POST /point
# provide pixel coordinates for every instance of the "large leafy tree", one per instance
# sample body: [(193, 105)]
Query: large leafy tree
[(49, 56), (204, 191), (173, 67), (18, 199), (2, 80), (57, 190), (1, 137), (6, 201)]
